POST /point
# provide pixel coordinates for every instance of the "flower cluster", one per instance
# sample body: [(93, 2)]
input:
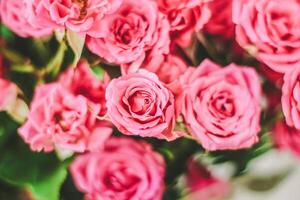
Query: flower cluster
[(153, 70)]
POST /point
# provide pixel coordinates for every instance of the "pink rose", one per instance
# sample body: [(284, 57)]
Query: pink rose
[(290, 97), (9, 93), (2, 69), (286, 137), (185, 17), (139, 104), (82, 81), (135, 30), (202, 184), (220, 22), (269, 29), (14, 16), (167, 67), (221, 105), (273, 76), (81, 16), (125, 169), (58, 119)]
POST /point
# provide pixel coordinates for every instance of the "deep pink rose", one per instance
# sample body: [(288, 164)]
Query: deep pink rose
[(126, 36), (125, 169), (2, 69), (273, 76), (58, 119), (269, 29), (81, 16), (14, 16), (202, 184), (185, 17), (82, 81), (290, 97), (220, 22), (139, 104), (8, 96), (221, 105), (287, 138)]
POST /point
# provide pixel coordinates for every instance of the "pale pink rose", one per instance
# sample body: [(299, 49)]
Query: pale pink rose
[(81, 16), (220, 22), (221, 105), (9, 93), (290, 97), (14, 16), (134, 31), (82, 81), (139, 104), (201, 184), (269, 29), (58, 119), (185, 17), (125, 169), (286, 138)]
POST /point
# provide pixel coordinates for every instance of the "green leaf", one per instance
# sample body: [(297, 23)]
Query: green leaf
[(98, 71), (40, 174), (6, 33), (7, 128), (22, 68), (76, 43)]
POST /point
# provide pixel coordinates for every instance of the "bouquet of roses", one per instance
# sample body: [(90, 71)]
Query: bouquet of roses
[(144, 99)]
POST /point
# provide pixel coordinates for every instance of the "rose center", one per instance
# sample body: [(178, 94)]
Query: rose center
[(82, 7), (65, 120), (140, 102), (224, 105), (120, 180)]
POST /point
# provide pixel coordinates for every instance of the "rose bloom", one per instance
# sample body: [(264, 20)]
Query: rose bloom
[(58, 119), (135, 30), (269, 29), (221, 105), (202, 184), (220, 22), (81, 16), (14, 16), (286, 138), (82, 81), (2, 68), (290, 97), (185, 17), (139, 104), (125, 169), (167, 67)]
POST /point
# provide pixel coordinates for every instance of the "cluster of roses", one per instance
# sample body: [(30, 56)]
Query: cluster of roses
[(159, 94)]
